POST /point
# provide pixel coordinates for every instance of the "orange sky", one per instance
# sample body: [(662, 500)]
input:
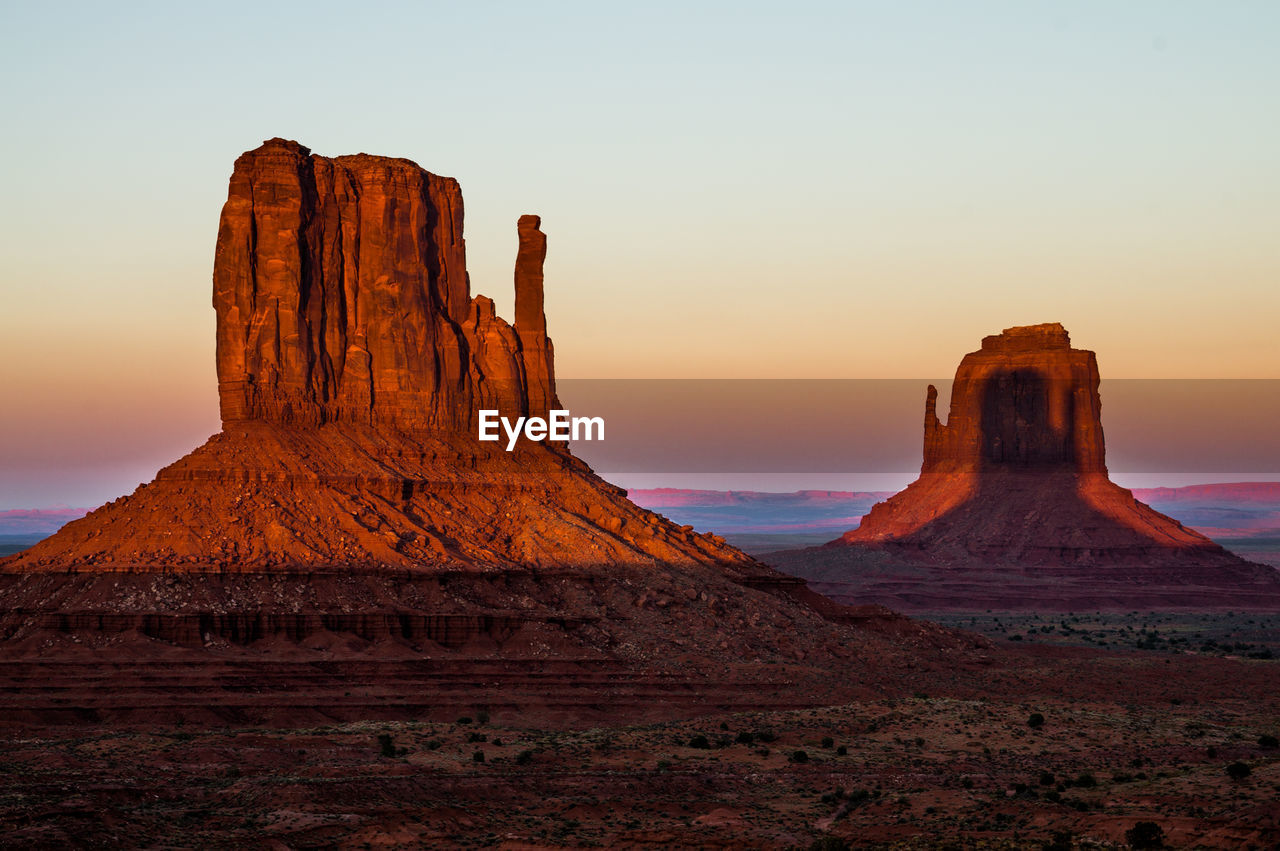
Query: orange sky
[(815, 190)]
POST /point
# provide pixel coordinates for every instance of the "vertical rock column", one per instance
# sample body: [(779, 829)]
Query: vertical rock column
[(531, 322)]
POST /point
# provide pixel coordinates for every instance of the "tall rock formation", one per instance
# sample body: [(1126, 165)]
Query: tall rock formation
[(341, 292), (1016, 482), (348, 516), (352, 360), (531, 322), (1026, 399)]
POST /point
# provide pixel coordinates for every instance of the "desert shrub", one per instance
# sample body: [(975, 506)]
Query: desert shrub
[(829, 843), (1047, 778), (1238, 771), (700, 742), (1268, 741), (745, 738), (664, 764), (1036, 721), (798, 756), (1145, 834), (386, 745), (766, 735), (497, 743), (476, 737), (465, 719), (842, 751), (1085, 781), (483, 716), (1061, 842), (828, 742), (478, 756), (524, 757)]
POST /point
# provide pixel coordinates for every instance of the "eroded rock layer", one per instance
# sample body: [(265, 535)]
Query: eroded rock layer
[(1016, 483)]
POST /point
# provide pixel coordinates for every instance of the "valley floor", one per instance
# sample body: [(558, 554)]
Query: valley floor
[(917, 771)]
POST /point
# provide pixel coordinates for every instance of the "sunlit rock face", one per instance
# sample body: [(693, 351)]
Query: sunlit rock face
[(342, 295), (352, 360)]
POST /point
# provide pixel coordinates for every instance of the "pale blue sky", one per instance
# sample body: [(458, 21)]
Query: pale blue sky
[(741, 190)]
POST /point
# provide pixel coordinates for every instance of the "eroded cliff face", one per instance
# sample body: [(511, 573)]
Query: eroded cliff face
[(1025, 399), (1013, 509), (1018, 472), (342, 295), (351, 360)]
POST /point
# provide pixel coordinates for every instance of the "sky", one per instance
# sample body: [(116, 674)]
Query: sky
[(730, 190)]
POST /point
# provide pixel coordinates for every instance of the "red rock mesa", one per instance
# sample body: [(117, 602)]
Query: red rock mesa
[(352, 359), (1016, 481), (348, 517)]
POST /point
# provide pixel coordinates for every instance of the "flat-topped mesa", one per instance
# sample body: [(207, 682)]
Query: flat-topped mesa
[(1026, 399), (1028, 338), (341, 292)]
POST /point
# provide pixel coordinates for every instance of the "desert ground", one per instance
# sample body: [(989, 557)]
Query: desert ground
[(1059, 747)]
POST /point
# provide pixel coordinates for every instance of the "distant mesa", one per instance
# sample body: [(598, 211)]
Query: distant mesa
[(1015, 483)]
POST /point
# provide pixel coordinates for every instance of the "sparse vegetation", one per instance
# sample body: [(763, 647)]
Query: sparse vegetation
[(899, 746), (1145, 834), (1238, 770)]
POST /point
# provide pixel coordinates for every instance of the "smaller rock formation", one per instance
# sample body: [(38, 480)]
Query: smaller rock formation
[(1015, 484), (1026, 399)]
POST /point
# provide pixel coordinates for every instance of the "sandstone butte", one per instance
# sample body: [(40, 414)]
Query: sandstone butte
[(1014, 507), (346, 514)]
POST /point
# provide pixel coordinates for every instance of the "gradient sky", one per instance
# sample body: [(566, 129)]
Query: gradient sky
[(729, 190)]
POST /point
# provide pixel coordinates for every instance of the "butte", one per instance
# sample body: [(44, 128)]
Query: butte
[(347, 548), (1014, 509)]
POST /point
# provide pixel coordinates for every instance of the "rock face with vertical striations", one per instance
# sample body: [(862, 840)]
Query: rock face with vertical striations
[(352, 360), (348, 510), (1026, 399), (1015, 484), (342, 296)]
